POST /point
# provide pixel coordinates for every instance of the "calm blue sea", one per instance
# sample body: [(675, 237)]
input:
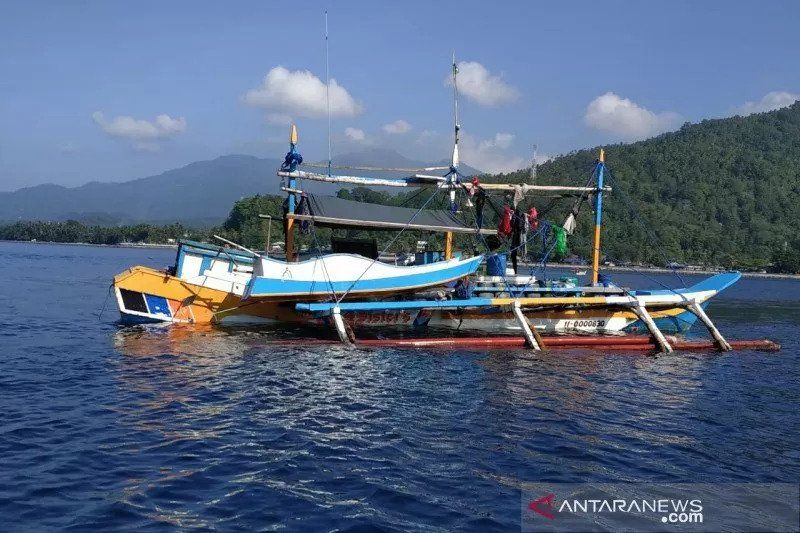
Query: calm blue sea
[(106, 427)]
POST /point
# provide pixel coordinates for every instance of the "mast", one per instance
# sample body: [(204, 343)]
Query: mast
[(453, 174), (598, 216), (456, 125)]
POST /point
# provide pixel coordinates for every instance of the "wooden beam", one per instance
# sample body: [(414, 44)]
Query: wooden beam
[(540, 188), (386, 225), (530, 339), (645, 317), (698, 311), (341, 328), (448, 245), (424, 180)]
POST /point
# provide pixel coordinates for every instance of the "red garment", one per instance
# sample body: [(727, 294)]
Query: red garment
[(504, 228), (475, 184), (533, 218)]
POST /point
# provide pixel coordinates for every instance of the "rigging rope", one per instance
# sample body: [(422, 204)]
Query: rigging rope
[(394, 239), (650, 235)]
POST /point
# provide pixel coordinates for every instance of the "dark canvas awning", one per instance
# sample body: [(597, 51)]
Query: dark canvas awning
[(329, 211)]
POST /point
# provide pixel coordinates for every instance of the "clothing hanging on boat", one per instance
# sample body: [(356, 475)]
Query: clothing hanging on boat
[(303, 209), (518, 195), (504, 227), (560, 248), (480, 201), (533, 219), (518, 221)]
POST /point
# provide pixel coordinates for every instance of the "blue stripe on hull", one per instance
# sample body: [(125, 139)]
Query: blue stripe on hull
[(261, 287)]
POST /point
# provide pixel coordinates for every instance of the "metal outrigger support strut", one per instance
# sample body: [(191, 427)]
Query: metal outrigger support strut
[(640, 310), (532, 337), (696, 309)]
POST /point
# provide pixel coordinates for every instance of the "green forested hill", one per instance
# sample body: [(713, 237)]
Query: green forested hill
[(721, 192)]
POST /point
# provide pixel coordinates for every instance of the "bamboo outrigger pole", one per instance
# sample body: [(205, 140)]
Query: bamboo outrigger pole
[(598, 216)]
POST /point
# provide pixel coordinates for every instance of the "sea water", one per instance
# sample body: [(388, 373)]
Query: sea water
[(105, 426)]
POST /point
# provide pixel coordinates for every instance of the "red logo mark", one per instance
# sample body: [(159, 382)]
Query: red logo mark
[(546, 503)]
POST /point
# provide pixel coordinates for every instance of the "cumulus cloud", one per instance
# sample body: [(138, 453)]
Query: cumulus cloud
[(143, 133), (278, 119), (478, 84), (301, 93), (397, 127), (491, 155), (355, 134), (770, 102), (627, 119)]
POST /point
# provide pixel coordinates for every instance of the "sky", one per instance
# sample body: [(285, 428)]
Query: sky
[(111, 90)]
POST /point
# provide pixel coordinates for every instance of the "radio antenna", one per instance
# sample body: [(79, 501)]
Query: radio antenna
[(328, 90)]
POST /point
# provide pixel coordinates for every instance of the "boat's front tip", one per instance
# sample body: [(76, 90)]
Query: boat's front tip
[(717, 282)]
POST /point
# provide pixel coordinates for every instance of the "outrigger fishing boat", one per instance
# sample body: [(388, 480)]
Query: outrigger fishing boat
[(237, 285)]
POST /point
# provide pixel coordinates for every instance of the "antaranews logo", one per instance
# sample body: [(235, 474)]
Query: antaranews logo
[(671, 511), (543, 506), (658, 507)]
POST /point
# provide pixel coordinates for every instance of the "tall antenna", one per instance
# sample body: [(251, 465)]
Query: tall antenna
[(534, 164), (328, 90), (456, 125)]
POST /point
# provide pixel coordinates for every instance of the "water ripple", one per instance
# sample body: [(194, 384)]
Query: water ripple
[(187, 427)]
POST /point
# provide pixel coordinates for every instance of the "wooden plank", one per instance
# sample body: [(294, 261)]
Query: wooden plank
[(386, 225), (539, 188), (698, 311), (531, 340)]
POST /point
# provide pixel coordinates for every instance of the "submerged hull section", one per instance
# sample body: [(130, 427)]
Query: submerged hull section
[(147, 295)]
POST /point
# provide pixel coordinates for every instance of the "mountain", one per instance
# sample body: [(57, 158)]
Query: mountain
[(200, 193), (720, 192)]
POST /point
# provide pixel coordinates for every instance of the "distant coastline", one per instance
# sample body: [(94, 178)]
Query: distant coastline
[(560, 266), (662, 270), (118, 245)]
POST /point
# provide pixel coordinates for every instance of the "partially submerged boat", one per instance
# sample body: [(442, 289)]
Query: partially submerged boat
[(213, 284)]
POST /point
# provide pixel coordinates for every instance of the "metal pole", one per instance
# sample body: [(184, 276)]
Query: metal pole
[(598, 216)]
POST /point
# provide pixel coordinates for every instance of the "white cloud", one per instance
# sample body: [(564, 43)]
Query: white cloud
[(479, 85), (397, 127), (491, 155), (771, 101), (279, 119), (355, 134), (625, 118), (143, 133), (301, 93)]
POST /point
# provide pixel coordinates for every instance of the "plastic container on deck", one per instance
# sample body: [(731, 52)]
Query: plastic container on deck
[(426, 258), (496, 265)]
